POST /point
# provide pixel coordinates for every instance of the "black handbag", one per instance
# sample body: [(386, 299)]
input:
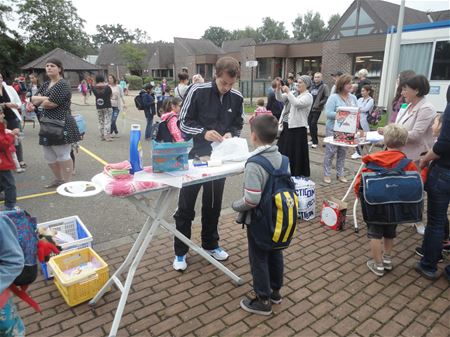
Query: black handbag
[(52, 129)]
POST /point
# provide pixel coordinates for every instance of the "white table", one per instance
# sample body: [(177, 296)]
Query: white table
[(156, 220), (329, 140)]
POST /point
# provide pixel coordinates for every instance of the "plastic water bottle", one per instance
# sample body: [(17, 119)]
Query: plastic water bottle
[(135, 148)]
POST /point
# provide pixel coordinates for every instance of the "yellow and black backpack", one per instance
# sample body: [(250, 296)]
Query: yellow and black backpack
[(274, 220)]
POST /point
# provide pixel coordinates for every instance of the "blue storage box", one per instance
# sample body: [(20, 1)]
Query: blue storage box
[(169, 157)]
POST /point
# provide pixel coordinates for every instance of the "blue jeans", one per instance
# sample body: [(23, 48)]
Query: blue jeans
[(438, 190), (266, 268), (115, 114), (8, 184), (148, 128)]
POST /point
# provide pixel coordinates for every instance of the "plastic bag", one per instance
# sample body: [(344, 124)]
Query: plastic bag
[(231, 149)]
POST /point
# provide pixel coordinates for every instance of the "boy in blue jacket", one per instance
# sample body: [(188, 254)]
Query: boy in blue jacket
[(149, 108)]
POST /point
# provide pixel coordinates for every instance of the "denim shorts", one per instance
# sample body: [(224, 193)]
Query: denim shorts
[(381, 231)]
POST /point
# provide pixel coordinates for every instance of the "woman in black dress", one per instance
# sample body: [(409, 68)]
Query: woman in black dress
[(54, 99)]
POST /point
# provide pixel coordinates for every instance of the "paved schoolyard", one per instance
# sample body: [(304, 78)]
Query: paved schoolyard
[(328, 291), (328, 288)]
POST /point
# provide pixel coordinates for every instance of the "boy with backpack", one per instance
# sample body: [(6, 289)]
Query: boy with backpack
[(269, 209), (145, 101), (382, 236), (11, 265)]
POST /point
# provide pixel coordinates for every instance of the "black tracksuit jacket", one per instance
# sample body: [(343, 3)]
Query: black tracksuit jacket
[(205, 109)]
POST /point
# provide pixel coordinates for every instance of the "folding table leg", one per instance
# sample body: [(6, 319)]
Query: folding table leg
[(134, 258)]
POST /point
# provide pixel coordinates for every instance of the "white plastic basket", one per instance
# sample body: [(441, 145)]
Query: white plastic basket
[(72, 226)]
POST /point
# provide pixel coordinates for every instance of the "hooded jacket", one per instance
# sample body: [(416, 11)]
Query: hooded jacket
[(387, 159)]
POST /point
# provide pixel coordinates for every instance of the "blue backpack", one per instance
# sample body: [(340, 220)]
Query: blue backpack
[(391, 196), (274, 220)]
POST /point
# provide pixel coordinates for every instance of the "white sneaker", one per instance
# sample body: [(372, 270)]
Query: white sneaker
[(219, 254), (420, 228), (314, 146), (355, 155), (179, 263)]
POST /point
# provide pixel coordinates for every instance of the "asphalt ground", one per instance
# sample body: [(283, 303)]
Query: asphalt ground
[(107, 218)]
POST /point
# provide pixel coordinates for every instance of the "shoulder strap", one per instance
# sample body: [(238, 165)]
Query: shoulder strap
[(261, 160), (178, 90), (402, 164), (399, 167), (375, 167)]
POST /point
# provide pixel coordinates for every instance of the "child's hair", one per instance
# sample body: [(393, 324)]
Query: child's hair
[(395, 136), (265, 127), (260, 102), (99, 78), (183, 77), (369, 89), (169, 102)]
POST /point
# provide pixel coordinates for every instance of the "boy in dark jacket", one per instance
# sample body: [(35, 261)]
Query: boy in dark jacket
[(149, 108), (7, 164), (266, 266)]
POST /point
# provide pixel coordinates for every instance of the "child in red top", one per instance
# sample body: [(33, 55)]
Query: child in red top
[(7, 164), (395, 137), (171, 107)]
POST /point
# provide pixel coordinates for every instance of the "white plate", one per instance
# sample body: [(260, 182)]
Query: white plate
[(79, 189)]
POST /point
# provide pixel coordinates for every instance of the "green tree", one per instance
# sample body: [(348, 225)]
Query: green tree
[(141, 36), (11, 51), (52, 23), (298, 32), (134, 57), (217, 35), (111, 34), (332, 21), (272, 30), (248, 32), (5, 10), (310, 27)]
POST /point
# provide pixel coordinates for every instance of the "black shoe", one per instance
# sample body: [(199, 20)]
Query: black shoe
[(275, 297), (419, 252), (427, 274), (257, 306)]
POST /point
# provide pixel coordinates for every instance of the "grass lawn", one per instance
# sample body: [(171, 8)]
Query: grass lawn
[(249, 109)]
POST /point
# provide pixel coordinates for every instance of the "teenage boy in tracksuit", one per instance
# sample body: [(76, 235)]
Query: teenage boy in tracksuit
[(211, 112)]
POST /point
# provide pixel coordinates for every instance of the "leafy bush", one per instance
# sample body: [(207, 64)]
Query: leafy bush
[(134, 82), (148, 79)]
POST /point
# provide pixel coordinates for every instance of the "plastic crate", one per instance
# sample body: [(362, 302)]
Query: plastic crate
[(72, 226), (82, 288), (168, 157)]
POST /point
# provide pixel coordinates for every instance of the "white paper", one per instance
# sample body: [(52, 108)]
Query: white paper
[(162, 178), (374, 137)]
